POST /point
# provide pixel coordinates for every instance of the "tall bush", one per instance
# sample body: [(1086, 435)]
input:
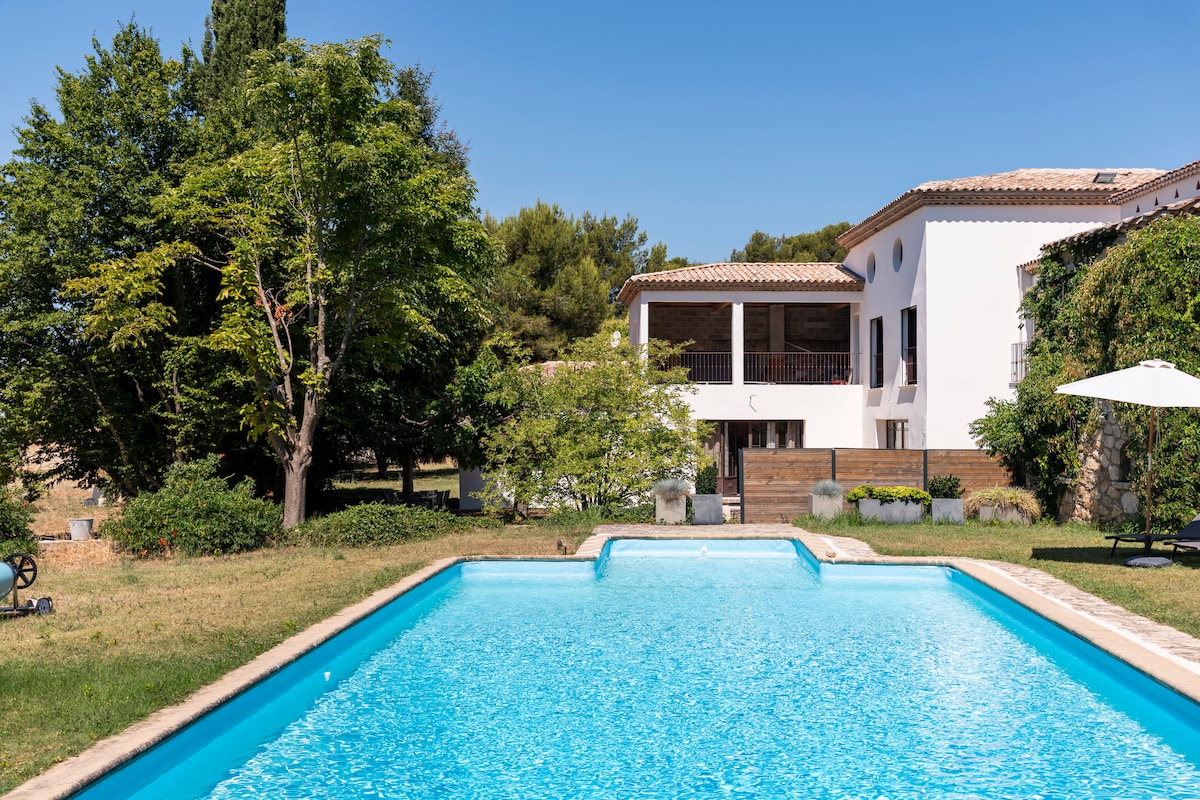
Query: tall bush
[(15, 517), (196, 512)]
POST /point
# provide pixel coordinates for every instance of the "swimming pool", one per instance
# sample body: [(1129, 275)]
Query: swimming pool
[(689, 669)]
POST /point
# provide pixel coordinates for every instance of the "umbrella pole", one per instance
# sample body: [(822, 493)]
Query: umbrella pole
[(1149, 477)]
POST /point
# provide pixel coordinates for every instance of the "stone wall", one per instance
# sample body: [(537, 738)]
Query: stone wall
[(1101, 492)]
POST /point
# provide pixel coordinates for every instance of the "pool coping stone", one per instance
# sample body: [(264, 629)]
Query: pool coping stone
[(1165, 654)]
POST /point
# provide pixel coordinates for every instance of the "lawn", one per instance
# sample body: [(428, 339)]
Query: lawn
[(128, 639), (1077, 554)]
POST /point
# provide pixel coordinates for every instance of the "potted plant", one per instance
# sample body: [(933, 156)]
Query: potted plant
[(706, 503), (670, 500), (825, 499), (946, 491), (891, 504), (1003, 504), (868, 504)]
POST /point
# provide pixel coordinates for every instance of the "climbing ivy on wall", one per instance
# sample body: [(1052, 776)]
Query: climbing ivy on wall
[(1101, 304)]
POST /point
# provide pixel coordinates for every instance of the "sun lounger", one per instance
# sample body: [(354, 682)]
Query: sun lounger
[(1139, 538)]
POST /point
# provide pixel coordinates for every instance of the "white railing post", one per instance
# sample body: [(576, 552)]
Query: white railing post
[(737, 341)]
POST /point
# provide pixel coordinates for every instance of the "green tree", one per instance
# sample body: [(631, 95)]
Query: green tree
[(562, 273), (343, 203), (80, 191), (818, 245), (232, 31), (594, 430)]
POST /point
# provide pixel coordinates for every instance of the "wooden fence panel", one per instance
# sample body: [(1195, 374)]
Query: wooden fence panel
[(880, 467), (776, 481), (975, 469)]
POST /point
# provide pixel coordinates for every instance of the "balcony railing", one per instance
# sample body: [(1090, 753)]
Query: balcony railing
[(801, 368), (1017, 370), (705, 367)]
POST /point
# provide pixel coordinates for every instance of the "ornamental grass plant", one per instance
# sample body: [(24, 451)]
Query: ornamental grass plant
[(1003, 498)]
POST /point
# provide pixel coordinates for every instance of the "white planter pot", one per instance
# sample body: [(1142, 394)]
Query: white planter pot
[(81, 528), (671, 511), (948, 509), (824, 506)]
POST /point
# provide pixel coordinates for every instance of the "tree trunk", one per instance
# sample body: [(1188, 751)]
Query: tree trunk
[(409, 469), (381, 464), (295, 485)]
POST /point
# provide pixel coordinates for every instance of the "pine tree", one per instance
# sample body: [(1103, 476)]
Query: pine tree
[(234, 30)]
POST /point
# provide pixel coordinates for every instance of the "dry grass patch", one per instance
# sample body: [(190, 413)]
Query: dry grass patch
[(136, 636)]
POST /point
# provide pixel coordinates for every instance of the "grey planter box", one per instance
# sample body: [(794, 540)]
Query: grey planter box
[(1010, 515), (948, 509), (670, 512), (869, 509), (706, 509), (824, 506), (901, 512)]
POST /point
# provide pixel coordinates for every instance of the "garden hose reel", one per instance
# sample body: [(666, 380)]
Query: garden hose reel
[(19, 571)]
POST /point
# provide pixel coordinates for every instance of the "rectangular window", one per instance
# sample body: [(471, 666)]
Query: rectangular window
[(897, 434), (908, 344), (877, 352)]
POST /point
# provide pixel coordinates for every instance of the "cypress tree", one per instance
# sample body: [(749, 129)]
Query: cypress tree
[(234, 30)]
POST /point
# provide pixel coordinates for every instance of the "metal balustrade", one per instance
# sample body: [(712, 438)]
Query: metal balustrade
[(705, 367), (801, 368), (790, 368)]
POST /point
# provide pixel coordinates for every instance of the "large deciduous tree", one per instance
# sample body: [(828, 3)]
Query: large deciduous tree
[(347, 199), (80, 191), (596, 429)]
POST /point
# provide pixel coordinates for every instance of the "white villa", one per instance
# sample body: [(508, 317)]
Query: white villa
[(902, 344)]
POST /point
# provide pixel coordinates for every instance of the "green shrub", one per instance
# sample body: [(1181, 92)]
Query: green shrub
[(1005, 498), (888, 494), (706, 479), (196, 512), (863, 492), (16, 514), (377, 524), (945, 487)]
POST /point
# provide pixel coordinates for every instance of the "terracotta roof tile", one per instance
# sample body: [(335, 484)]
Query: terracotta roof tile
[(1019, 187), (747, 276), (1186, 171)]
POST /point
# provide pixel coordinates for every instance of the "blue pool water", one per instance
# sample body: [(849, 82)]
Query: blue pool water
[(664, 672)]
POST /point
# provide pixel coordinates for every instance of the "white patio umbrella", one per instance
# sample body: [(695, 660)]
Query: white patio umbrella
[(1151, 383)]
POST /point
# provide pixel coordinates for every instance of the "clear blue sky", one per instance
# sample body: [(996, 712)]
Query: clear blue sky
[(707, 120)]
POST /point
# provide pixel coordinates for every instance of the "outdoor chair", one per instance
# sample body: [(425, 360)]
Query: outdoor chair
[(1138, 538)]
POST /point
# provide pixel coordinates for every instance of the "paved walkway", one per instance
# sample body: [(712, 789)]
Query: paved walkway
[(1170, 656)]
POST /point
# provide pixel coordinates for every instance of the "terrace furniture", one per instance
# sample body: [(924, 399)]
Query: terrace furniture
[(1138, 538), (1185, 546)]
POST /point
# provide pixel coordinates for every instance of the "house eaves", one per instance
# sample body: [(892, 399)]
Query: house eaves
[(746, 276), (1022, 187)]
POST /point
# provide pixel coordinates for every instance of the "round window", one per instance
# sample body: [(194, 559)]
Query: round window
[(871, 266), (897, 254)]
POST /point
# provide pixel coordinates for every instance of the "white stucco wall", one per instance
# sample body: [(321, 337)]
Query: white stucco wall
[(972, 294), (832, 414), (884, 296)]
